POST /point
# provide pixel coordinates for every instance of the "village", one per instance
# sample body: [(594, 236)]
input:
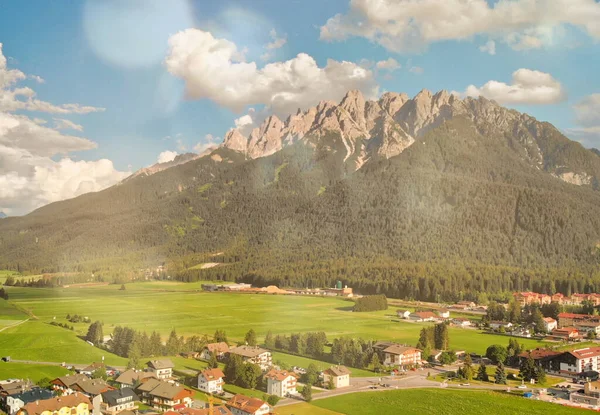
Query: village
[(570, 356)]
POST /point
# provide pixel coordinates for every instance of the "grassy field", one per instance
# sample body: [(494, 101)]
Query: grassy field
[(435, 402), (32, 372), (163, 306), (292, 360), (304, 409)]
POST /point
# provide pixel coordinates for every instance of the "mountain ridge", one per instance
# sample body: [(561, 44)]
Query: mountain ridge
[(486, 199)]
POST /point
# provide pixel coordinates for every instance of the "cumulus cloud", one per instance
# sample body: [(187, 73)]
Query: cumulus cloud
[(489, 47), (35, 168), (408, 25), (28, 181), (20, 132), (389, 64), (38, 79), (209, 143), (62, 124), (211, 69), (24, 98), (527, 87), (166, 156), (587, 118)]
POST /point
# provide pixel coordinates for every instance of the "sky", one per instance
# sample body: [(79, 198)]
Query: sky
[(91, 91)]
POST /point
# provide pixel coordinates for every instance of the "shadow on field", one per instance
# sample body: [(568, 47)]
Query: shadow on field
[(345, 308)]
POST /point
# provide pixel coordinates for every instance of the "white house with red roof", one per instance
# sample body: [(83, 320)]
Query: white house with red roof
[(549, 324), (211, 380), (281, 382)]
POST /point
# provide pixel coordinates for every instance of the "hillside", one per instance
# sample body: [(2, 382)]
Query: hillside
[(479, 199)]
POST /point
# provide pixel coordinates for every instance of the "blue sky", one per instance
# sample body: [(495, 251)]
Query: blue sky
[(111, 55)]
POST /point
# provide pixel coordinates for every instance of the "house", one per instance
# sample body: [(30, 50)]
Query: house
[(253, 354), (216, 410), (588, 327), (549, 324), (218, 349), (340, 375), (12, 386), (590, 396), (495, 325), (444, 314), (91, 387), (64, 384), (162, 369), (459, 307), (12, 402), (576, 361), (163, 395), (403, 314), (397, 355), (423, 316), (244, 405), (211, 380), (570, 319), (461, 322), (116, 401), (528, 297), (468, 304), (132, 377), (566, 333), (89, 370), (281, 383), (74, 404)]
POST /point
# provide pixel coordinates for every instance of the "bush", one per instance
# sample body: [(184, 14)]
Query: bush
[(371, 303), (273, 400)]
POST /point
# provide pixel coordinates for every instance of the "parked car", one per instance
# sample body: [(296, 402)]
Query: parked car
[(522, 387), (465, 384)]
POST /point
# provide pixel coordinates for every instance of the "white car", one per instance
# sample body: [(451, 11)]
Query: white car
[(465, 384), (522, 387)]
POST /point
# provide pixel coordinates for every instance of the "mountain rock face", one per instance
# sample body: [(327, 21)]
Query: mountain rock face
[(371, 130)]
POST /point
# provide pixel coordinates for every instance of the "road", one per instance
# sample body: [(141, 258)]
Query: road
[(14, 325)]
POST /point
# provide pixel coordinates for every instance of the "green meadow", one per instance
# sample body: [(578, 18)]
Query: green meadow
[(431, 402), (163, 306), (31, 372)]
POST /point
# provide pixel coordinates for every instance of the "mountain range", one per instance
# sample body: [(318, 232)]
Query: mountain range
[(417, 197)]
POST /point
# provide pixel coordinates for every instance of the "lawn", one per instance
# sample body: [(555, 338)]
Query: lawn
[(10, 315), (438, 402), (303, 409), (292, 360), (32, 372), (42, 342), (163, 306)]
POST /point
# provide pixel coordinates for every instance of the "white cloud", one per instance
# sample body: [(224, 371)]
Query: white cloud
[(587, 111), (166, 156), (20, 132), (13, 99), (489, 47), (62, 124), (416, 70), (390, 64), (29, 176), (587, 117), (409, 25), (210, 142), (276, 43), (28, 181), (527, 87), (38, 79), (211, 69)]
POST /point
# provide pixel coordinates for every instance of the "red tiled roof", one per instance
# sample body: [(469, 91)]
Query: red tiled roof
[(279, 375), (586, 353), (54, 404), (245, 403), (213, 374)]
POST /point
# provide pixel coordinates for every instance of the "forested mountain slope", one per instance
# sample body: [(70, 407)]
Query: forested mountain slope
[(484, 200)]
